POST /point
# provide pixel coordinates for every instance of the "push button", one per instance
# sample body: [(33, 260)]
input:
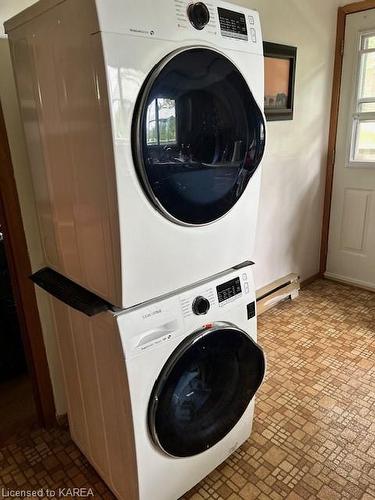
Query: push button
[(253, 35)]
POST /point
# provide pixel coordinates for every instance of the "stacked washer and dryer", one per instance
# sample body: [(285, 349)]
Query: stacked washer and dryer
[(145, 136)]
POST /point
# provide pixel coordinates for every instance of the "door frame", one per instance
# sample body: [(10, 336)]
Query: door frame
[(335, 106), (23, 289)]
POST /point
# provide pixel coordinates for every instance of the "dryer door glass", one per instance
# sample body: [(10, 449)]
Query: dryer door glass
[(204, 389), (198, 136)]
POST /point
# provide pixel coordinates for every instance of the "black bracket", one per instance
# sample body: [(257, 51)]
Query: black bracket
[(69, 292)]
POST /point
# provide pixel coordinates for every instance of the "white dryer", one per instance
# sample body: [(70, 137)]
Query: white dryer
[(145, 133), (193, 369)]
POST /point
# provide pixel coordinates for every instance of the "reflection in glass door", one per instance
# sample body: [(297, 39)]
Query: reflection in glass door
[(161, 122)]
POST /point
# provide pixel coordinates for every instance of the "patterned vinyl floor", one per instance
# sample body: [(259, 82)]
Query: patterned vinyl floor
[(314, 427)]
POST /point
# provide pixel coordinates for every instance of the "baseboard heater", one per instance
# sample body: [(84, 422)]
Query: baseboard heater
[(277, 291)]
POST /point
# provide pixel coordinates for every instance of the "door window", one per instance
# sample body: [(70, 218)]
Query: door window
[(204, 389), (198, 136), (362, 148)]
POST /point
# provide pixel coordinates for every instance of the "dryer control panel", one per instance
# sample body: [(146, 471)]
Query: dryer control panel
[(218, 22), (232, 24)]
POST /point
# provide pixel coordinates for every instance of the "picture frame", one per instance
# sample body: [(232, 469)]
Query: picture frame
[(279, 81)]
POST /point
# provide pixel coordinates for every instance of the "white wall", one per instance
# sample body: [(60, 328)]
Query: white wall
[(289, 228), (22, 175), (288, 237)]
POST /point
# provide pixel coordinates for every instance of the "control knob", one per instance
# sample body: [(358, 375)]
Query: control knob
[(198, 15), (201, 306)]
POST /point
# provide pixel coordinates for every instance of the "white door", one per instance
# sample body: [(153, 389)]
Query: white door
[(351, 250)]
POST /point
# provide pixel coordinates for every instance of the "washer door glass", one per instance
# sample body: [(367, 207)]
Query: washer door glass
[(204, 389), (198, 136)]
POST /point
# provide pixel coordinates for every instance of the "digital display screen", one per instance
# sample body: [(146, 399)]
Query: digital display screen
[(232, 24), (228, 289)]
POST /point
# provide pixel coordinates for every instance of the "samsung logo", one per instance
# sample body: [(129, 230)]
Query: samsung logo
[(152, 313), (143, 32)]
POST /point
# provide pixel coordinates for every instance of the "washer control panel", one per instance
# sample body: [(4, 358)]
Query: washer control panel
[(228, 289), (232, 290), (220, 294), (162, 321)]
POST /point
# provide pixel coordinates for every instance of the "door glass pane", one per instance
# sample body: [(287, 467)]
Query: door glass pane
[(367, 77), (366, 107), (199, 136), (368, 42), (203, 390), (365, 141)]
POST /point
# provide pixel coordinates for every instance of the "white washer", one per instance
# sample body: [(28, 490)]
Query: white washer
[(193, 368), (150, 179)]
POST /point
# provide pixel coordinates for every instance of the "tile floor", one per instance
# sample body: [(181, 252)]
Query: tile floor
[(314, 428), (16, 406)]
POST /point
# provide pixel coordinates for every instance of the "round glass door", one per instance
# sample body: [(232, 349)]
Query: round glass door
[(204, 389), (198, 136)]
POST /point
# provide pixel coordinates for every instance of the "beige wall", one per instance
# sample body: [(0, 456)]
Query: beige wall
[(288, 237), (25, 191)]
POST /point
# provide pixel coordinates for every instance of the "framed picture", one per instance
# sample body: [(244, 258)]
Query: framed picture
[(279, 80)]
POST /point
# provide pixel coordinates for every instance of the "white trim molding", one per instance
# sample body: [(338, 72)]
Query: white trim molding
[(350, 281)]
